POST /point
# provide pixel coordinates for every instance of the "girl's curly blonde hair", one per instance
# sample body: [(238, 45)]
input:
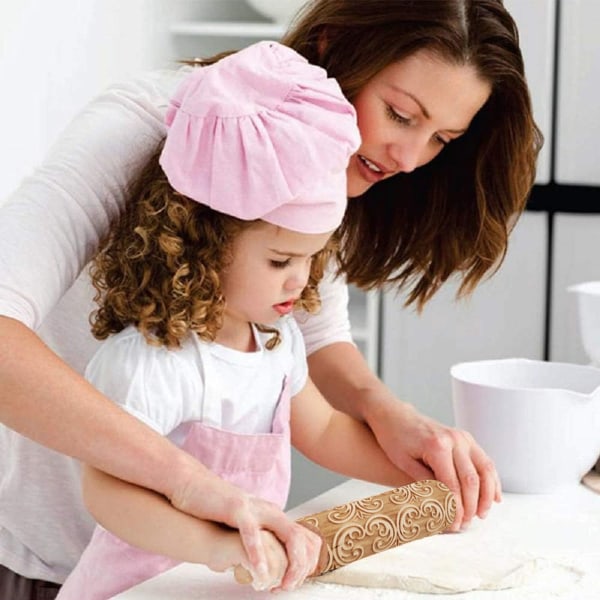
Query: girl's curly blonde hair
[(160, 266)]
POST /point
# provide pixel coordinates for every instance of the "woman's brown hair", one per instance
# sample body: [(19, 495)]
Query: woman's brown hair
[(160, 266), (454, 214)]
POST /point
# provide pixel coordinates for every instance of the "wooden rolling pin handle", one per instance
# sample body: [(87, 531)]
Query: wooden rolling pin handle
[(242, 575)]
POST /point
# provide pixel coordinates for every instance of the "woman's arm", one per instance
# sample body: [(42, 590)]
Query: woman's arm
[(51, 225), (418, 445), (146, 520), (44, 399)]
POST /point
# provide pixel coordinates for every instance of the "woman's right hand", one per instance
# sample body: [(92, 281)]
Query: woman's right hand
[(254, 518), (230, 554), (269, 536)]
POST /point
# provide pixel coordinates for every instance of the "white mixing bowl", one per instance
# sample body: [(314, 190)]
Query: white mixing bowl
[(539, 421), (588, 301), (280, 11)]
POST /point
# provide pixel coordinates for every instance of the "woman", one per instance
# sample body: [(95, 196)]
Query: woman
[(445, 166)]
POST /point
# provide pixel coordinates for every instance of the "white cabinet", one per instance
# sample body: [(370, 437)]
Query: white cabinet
[(213, 26), (364, 319), (578, 98), (56, 56), (536, 22), (576, 246), (576, 77), (503, 318)]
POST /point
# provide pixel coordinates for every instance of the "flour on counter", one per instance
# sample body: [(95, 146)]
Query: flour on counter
[(544, 549), (453, 563)]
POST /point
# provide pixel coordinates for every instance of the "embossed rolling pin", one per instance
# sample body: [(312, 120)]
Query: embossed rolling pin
[(370, 525)]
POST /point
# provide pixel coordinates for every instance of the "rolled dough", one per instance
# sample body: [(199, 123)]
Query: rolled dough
[(449, 564), (522, 543)]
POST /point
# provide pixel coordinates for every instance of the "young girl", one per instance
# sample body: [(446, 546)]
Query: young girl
[(219, 243)]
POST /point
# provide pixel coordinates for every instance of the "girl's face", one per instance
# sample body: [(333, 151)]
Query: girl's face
[(408, 113), (269, 270)]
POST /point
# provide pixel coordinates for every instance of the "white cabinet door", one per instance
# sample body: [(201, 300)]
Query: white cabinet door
[(503, 318), (536, 22), (578, 100), (576, 259), (212, 26), (56, 56)]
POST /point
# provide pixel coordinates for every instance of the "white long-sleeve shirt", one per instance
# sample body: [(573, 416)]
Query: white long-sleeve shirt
[(50, 228)]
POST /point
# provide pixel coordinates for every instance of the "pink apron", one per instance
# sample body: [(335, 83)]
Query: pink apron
[(257, 463)]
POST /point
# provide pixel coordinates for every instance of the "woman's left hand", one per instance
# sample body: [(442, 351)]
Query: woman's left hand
[(416, 444), (427, 449)]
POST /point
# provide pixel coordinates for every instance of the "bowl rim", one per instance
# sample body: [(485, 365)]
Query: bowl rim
[(573, 367)]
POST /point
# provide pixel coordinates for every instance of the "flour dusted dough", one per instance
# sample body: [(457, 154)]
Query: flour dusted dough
[(543, 545), (448, 564)]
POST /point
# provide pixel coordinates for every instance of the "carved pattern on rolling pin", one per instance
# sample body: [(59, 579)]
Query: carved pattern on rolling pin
[(358, 529)]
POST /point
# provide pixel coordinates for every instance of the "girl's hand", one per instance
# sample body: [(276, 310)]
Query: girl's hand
[(229, 554), (277, 564)]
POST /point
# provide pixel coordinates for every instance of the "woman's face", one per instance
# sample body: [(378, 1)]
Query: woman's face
[(408, 113)]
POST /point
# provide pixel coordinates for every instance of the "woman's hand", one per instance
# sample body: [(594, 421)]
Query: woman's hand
[(425, 448), (416, 444), (300, 548), (217, 500), (213, 539), (277, 564)]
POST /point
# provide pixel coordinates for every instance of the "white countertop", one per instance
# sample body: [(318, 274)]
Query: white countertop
[(564, 525)]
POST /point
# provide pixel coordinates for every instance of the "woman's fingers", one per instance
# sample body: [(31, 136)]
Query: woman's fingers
[(439, 456), (424, 448), (287, 566), (250, 534), (460, 462), (303, 550), (301, 546), (470, 485), (491, 490), (253, 517)]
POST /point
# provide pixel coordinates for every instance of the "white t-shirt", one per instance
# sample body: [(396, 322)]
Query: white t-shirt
[(219, 386), (49, 230)]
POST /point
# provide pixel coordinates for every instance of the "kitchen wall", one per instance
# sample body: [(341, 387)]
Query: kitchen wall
[(55, 56)]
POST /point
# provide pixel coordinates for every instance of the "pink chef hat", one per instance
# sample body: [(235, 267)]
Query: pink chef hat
[(263, 134)]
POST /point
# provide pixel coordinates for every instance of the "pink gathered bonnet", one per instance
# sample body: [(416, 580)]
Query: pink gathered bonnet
[(263, 134)]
